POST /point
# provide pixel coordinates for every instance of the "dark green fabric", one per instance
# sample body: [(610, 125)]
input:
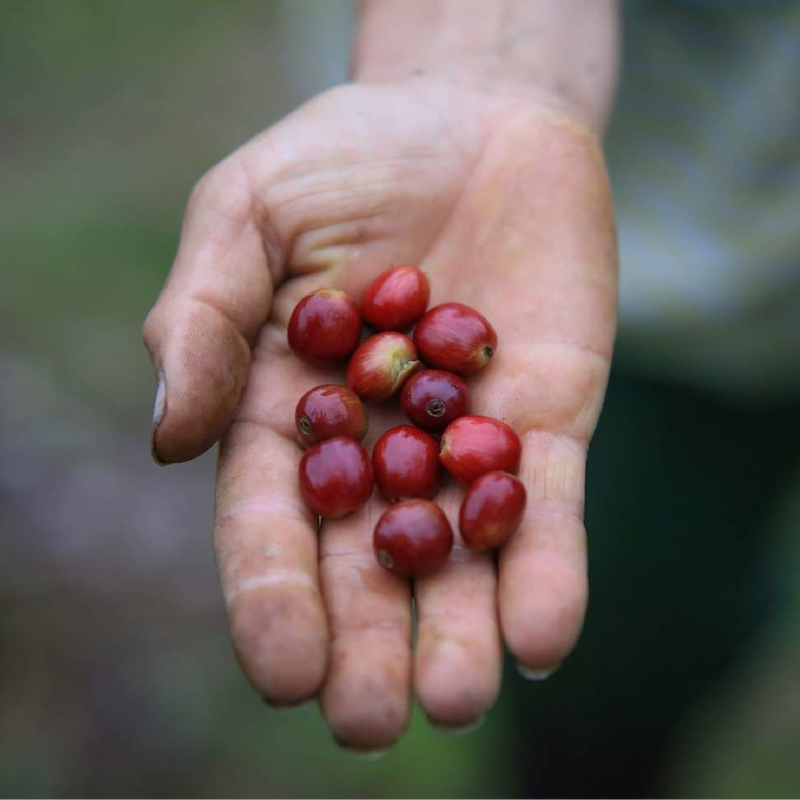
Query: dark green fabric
[(728, 6), (682, 488)]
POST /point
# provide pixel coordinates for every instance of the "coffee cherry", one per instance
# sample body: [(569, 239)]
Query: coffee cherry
[(455, 337), (381, 366), (406, 463), (413, 538), (325, 327), (473, 446), (491, 511), (433, 398), (396, 299), (328, 411), (335, 477)]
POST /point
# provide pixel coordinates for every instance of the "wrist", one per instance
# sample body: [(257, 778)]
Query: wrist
[(564, 53)]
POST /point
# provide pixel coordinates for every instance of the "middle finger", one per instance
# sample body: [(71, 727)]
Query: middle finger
[(459, 651), (366, 697)]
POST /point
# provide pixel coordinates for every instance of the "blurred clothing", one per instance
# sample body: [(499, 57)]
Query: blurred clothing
[(704, 155), (682, 481), (682, 490)]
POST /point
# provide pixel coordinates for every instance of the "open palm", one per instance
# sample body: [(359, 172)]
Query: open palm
[(504, 204)]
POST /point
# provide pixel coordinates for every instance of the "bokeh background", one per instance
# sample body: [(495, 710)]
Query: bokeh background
[(116, 675)]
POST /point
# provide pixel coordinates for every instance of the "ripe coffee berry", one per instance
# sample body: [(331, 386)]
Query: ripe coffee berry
[(325, 327), (328, 411), (473, 446), (335, 477), (413, 538), (456, 338), (406, 463), (396, 299), (491, 511), (433, 398), (381, 365)]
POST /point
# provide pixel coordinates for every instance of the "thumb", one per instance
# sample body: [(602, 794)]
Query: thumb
[(200, 332)]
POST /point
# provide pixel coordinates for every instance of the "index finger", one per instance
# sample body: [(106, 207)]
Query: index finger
[(266, 538)]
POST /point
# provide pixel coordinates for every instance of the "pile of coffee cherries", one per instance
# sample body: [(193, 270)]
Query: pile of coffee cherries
[(413, 537)]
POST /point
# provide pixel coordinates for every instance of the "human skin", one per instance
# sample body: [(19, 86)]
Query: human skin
[(475, 154)]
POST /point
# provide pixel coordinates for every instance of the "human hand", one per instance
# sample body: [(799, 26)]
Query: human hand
[(504, 203)]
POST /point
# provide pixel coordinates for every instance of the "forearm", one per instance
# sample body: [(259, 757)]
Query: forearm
[(566, 49)]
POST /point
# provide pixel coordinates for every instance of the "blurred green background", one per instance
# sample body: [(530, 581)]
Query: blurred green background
[(116, 675)]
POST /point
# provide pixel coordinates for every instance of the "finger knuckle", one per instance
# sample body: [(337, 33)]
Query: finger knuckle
[(223, 189), (150, 334)]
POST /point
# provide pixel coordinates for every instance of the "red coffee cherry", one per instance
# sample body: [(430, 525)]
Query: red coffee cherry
[(473, 446), (413, 538), (456, 338), (396, 299), (406, 463), (328, 411), (491, 511), (381, 365), (325, 327), (335, 477), (432, 399)]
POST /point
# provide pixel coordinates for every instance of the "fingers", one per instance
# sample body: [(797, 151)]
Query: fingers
[(215, 301), (543, 587), (367, 694), (266, 545), (538, 205), (459, 652)]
